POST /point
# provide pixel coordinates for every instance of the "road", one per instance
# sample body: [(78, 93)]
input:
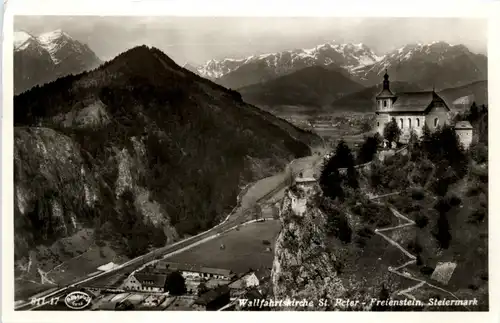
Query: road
[(239, 215)]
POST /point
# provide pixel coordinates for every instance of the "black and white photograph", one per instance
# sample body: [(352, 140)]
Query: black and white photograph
[(168, 163)]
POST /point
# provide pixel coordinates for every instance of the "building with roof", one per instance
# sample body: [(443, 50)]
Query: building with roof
[(411, 110), (252, 278), (190, 271), (213, 299), (146, 282), (464, 133)]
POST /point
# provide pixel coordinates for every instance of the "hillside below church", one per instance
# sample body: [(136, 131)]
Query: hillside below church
[(388, 230), (134, 155)]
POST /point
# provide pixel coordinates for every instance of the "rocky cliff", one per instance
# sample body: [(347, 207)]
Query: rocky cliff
[(303, 267)]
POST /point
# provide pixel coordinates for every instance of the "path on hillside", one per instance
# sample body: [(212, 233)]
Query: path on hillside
[(413, 259)]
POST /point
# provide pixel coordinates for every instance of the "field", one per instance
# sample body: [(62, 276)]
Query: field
[(244, 248)]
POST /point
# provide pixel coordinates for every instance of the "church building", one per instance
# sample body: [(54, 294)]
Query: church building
[(411, 110)]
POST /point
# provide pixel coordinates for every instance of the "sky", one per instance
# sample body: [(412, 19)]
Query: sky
[(199, 39)]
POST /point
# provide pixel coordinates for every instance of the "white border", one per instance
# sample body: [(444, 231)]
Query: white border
[(367, 8)]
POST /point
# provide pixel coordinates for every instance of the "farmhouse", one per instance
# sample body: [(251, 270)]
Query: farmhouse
[(412, 110), (146, 282)]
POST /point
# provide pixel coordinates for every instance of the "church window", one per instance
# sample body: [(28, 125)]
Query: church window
[(385, 103), (418, 122), (378, 124), (436, 121), (409, 123), (401, 122)]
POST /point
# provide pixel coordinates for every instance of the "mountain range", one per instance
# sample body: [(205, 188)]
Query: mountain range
[(437, 64), (137, 152), (44, 58), (237, 73)]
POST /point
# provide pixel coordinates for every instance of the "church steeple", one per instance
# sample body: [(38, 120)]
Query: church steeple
[(386, 91), (386, 81)]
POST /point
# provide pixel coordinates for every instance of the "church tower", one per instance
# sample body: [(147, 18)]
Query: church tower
[(385, 98), (383, 104)]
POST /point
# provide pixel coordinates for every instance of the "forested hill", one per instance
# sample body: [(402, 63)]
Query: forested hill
[(150, 144)]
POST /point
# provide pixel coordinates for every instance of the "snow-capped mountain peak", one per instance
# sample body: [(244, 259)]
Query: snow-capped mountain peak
[(347, 55), (54, 40), (48, 56), (21, 39), (52, 36)]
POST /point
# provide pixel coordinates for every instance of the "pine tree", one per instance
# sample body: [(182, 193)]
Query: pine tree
[(330, 181), (343, 155), (473, 112), (368, 150)]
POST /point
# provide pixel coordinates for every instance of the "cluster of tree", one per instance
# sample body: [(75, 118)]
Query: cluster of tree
[(390, 175), (331, 179)]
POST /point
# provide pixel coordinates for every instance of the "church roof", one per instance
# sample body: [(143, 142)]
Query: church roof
[(463, 125), (415, 101), (386, 93)]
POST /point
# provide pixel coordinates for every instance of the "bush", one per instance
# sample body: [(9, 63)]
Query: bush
[(422, 220), (473, 190), (442, 205), (477, 215), (417, 194), (100, 243), (426, 270), (373, 213), (365, 232), (479, 153), (338, 226), (415, 246), (360, 241), (453, 200)]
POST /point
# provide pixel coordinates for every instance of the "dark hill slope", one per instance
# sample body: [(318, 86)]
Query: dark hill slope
[(364, 100), (312, 86), (466, 94), (158, 142)]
